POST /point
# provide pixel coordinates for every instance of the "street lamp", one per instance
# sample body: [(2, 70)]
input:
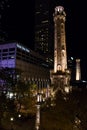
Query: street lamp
[(12, 119), (19, 115)]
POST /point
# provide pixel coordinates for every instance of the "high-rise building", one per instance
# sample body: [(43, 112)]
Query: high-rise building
[(44, 29)]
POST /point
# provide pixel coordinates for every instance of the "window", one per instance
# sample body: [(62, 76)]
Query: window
[(11, 49), (5, 50)]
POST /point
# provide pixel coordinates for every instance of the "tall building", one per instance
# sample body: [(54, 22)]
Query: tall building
[(44, 29), (34, 68), (60, 75)]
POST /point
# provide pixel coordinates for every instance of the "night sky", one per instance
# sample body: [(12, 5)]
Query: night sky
[(18, 22)]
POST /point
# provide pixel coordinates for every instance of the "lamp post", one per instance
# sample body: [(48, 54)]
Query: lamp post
[(12, 119), (37, 123)]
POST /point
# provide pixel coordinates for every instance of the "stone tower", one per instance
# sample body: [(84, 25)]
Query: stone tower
[(78, 70), (60, 76), (60, 56)]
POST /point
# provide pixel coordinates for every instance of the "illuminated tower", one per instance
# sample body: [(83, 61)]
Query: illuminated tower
[(78, 70), (60, 76), (60, 57)]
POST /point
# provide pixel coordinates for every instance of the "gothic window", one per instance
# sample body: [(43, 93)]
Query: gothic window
[(59, 67), (63, 54), (63, 47), (62, 27)]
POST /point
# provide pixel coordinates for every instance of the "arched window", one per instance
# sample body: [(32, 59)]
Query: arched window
[(59, 67), (62, 27)]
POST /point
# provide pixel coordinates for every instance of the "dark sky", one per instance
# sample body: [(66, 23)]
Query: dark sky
[(19, 24), (19, 21)]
